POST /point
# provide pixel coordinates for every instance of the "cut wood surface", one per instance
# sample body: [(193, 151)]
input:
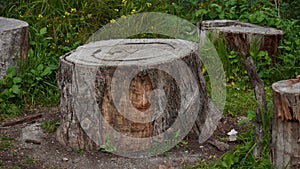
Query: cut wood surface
[(145, 89), (13, 43), (285, 148)]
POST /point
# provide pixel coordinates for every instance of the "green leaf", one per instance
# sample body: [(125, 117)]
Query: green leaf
[(15, 89), (47, 71), (40, 67), (17, 80), (11, 72), (251, 115), (43, 31)]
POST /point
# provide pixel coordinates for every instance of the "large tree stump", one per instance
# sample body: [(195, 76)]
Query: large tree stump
[(285, 148), (13, 43), (138, 93), (242, 37)]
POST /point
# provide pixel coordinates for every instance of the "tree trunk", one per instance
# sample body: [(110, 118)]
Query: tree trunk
[(13, 43), (285, 149), (242, 37), (132, 96)]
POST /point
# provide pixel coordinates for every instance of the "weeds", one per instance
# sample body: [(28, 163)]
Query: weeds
[(50, 126), (28, 160), (78, 151), (5, 143), (107, 147)]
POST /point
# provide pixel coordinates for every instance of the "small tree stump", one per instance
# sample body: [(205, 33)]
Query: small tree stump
[(242, 37), (13, 43), (285, 124), (246, 35), (133, 87)]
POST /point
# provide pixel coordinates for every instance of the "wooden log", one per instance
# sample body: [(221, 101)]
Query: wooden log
[(13, 43), (285, 148), (133, 87)]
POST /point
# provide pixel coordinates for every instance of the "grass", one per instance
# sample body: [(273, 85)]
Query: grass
[(50, 126), (6, 143), (28, 160), (239, 101), (78, 151)]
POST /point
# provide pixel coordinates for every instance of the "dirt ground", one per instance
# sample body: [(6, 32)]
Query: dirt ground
[(48, 153)]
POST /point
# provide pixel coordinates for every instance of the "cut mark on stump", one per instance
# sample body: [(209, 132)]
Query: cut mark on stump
[(158, 43)]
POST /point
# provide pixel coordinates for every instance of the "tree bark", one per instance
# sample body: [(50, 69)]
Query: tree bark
[(146, 89), (13, 43), (285, 149)]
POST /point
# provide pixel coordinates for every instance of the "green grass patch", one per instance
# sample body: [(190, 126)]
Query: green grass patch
[(239, 101), (28, 160), (50, 126), (6, 143)]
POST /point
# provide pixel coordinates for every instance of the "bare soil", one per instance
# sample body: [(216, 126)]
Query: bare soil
[(50, 154)]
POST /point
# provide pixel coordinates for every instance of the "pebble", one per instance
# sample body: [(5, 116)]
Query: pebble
[(65, 159)]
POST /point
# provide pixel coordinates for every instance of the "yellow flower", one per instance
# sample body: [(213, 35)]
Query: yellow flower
[(40, 16), (73, 10), (21, 16), (67, 41), (173, 3), (149, 4), (123, 16), (64, 16), (117, 10), (67, 13), (133, 11), (112, 21), (124, 2), (232, 83)]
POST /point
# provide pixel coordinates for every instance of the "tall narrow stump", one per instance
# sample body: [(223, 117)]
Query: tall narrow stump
[(130, 93), (13, 43), (285, 146)]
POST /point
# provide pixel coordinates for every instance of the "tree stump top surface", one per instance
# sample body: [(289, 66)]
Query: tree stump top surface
[(238, 27), (9, 24), (287, 86), (131, 52)]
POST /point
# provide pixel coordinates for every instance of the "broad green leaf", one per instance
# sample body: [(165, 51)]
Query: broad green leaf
[(15, 89), (40, 67), (11, 72), (251, 115), (47, 71), (43, 31), (17, 80)]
